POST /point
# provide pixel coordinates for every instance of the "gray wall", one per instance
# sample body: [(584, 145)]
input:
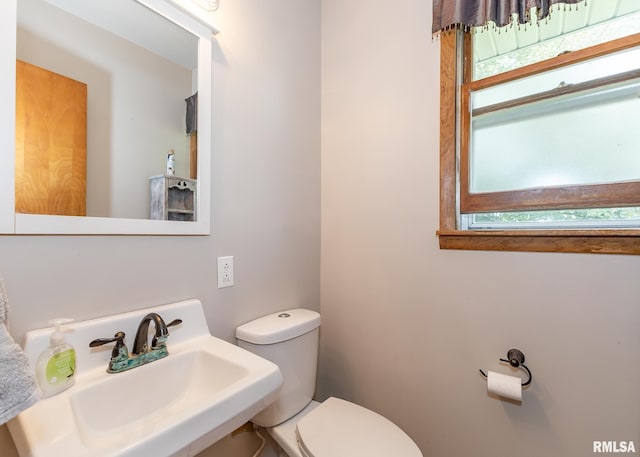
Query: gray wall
[(406, 326), (265, 208)]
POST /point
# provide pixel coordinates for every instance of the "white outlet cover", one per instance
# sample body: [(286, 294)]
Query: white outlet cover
[(225, 271)]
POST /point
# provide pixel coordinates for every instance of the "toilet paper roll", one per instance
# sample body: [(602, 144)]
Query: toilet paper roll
[(504, 385)]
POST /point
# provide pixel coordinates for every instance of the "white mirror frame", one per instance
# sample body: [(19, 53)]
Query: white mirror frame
[(16, 223)]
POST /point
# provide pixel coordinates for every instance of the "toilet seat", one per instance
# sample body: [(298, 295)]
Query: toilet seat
[(338, 428)]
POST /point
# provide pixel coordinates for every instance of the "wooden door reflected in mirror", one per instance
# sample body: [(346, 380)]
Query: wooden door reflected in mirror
[(51, 142)]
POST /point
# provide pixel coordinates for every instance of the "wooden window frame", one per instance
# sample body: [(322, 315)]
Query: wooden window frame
[(606, 241)]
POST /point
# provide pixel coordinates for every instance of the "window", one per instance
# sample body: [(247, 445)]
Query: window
[(540, 151)]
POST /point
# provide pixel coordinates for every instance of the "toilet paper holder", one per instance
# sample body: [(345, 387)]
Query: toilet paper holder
[(515, 358)]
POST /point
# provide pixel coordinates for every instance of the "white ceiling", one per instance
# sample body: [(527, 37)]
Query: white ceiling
[(132, 21)]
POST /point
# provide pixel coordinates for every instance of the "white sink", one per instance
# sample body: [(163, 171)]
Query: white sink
[(176, 406), (121, 408)]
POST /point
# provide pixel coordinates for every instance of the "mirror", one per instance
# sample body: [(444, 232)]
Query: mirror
[(139, 60)]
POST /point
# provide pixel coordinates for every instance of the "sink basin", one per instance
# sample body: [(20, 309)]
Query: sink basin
[(184, 382), (176, 406)]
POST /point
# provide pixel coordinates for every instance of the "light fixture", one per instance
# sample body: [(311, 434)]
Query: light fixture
[(201, 10), (207, 5)]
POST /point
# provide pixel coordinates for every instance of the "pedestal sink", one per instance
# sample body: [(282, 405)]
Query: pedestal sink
[(173, 407)]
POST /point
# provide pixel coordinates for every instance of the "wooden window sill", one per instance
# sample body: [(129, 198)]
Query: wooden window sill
[(578, 241)]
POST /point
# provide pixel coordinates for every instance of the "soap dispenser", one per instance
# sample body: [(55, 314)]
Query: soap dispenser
[(56, 365)]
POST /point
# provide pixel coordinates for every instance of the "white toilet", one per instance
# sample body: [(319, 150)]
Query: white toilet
[(306, 428)]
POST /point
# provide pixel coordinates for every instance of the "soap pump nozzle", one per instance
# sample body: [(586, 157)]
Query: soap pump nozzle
[(57, 337)]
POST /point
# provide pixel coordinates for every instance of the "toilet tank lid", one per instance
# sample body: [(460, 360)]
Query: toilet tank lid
[(278, 327)]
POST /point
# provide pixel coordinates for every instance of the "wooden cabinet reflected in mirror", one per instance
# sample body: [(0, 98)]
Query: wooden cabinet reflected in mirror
[(173, 198)]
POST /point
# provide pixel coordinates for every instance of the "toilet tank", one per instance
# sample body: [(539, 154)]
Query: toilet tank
[(290, 340)]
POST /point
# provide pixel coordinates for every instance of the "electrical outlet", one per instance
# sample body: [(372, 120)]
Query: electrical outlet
[(225, 271)]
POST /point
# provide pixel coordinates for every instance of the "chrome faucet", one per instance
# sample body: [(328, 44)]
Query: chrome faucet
[(141, 353)]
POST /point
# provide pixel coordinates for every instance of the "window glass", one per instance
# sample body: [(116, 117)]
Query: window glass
[(608, 65), (569, 126), (545, 131), (561, 219), (567, 29)]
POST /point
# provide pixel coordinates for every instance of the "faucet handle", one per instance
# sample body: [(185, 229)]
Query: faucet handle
[(100, 341), (119, 347), (159, 340), (174, 322)]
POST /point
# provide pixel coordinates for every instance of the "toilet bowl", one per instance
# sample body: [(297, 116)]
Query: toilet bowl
[(303, 427)]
